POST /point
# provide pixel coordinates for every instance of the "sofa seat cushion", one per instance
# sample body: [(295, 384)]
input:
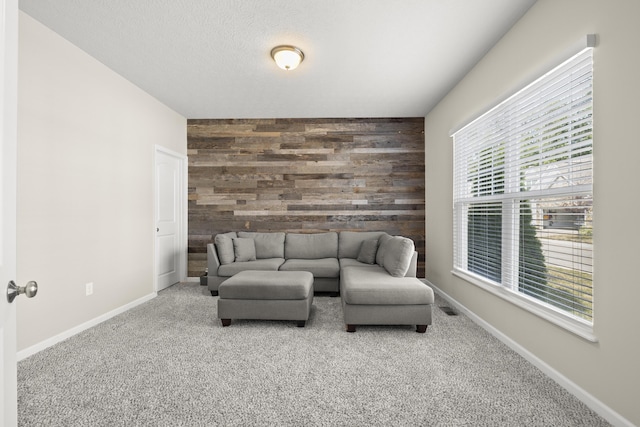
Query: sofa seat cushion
[(268, 285), (374, 286), (350, 262), (229, 270), (324, 267)]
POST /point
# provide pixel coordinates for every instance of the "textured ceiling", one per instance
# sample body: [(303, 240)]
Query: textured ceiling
[(210, 58)]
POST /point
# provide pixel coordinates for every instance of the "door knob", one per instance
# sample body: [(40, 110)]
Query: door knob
[(13, 290)]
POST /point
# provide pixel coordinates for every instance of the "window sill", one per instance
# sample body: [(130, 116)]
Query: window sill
[(575, 326)]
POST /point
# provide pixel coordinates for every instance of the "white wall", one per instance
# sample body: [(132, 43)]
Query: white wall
[(86, 140), (607, 370)]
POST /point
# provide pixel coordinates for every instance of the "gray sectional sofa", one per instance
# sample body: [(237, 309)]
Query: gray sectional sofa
[(374, 273)]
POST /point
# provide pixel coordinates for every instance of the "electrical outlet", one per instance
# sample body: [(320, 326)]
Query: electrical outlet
[(89, 288)]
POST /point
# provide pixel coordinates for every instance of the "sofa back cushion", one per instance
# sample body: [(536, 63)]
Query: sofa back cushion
[(268, 245), (311, 246), (382, 249), (397, 255), (224, 247), (350, 242)]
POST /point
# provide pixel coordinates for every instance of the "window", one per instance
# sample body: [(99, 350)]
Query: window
[(523, 193)]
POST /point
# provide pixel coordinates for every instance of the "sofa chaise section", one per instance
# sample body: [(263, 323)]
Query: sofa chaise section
[(370, 296)]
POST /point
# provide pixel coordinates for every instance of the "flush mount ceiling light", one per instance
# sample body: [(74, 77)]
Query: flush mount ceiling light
[(287, 57)]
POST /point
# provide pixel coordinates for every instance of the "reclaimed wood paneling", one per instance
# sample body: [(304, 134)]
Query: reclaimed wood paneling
[(305, 175)]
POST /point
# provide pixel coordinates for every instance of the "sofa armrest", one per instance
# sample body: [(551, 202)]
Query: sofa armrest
[(413, 266), (212, 260)]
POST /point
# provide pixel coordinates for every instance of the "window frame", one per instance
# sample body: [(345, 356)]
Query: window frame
[(576, 325)]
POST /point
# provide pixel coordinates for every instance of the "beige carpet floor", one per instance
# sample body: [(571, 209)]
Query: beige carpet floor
[(169, 362)]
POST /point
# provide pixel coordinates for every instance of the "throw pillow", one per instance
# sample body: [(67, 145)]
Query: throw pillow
[(397, 256), (245, 249), (224, 247), (368, 250), (268, 245), (350, 242)]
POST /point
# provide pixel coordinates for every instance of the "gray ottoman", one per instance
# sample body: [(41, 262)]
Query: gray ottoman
[(266, 295)]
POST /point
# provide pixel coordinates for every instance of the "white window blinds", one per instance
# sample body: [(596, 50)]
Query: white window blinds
[(523, 191)]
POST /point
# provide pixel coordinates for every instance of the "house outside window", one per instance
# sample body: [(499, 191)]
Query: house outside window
[(523, 193)]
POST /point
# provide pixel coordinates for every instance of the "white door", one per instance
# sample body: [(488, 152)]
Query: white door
[(8, 126), (169, 218)]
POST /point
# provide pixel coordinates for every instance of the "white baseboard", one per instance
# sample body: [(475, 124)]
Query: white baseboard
[(581, 394), (193, 279), (23, 354)]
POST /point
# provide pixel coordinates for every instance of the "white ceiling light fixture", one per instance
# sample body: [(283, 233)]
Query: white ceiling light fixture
[(287, 57)]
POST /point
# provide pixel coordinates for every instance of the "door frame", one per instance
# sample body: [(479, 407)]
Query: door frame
[(8, 210), (182, 213)]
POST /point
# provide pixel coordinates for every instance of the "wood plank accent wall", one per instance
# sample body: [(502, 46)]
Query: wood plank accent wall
[(305, 175)]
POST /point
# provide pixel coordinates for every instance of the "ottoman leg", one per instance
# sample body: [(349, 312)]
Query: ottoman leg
[(421, 329), (351, 328), (225, 322), (300, 323)]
